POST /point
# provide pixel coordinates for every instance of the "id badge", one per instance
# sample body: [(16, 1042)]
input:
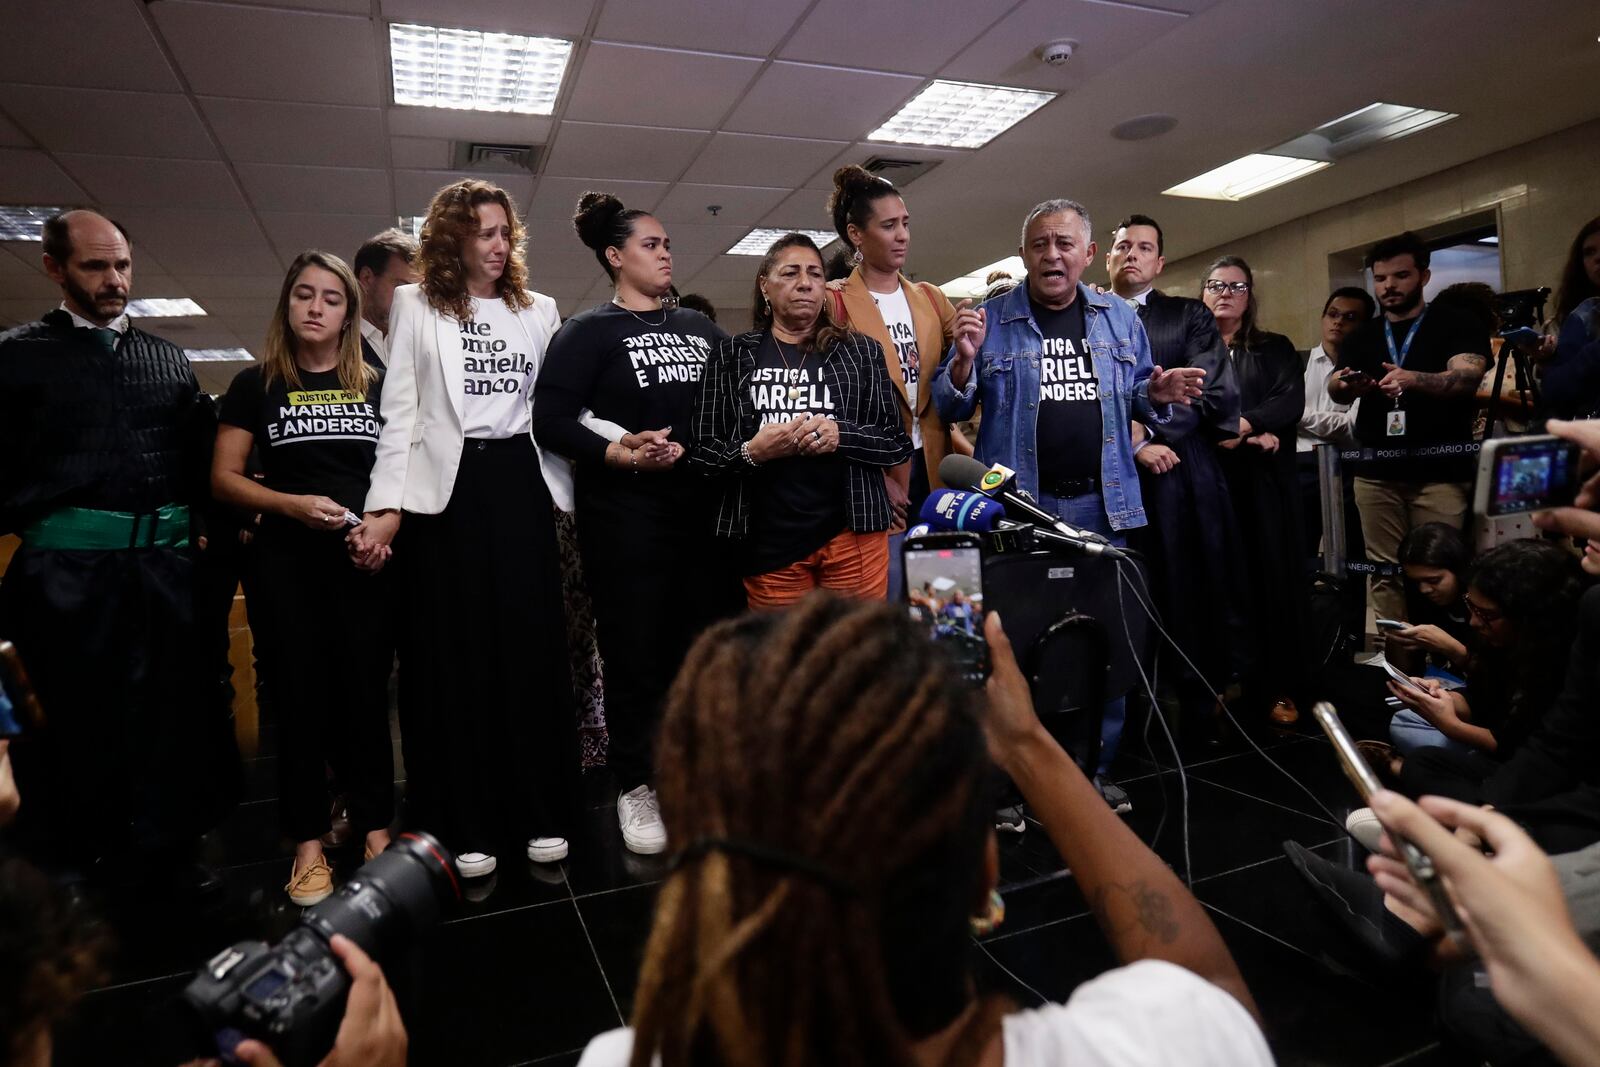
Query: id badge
[(1397, 424)]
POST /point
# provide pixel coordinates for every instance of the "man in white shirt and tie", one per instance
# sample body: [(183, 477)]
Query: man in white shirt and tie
[(1324, 420), (387, 260)]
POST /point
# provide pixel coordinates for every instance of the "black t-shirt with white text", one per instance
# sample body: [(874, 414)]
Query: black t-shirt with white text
[(316, 439), (1069, 398), (798, 503)]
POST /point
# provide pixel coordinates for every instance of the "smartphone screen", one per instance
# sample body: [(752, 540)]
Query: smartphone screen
[(19, 707), (944, 590), (1532, 473)]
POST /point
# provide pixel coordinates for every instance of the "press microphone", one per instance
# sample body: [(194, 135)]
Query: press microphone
[(953, 509), (956, 469)]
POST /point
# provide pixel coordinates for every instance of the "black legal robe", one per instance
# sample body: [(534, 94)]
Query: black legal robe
[(1192, 542), (1266, 502), (139, 751)]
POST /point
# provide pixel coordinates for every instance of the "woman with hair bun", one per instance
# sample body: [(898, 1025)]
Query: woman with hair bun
[(644, 521), (490, 727)]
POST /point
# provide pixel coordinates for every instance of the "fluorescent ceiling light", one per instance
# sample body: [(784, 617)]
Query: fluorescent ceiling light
[(1379, 122), (1246, 176), (756, 242), (1492, 239), (219, 355), (411, 224), (164, 308), (19, 222), (960, 114), (472, 70), (973, 285)]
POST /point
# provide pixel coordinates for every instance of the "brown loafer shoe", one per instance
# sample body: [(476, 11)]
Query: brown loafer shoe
[(309, 886), (1284, 713)]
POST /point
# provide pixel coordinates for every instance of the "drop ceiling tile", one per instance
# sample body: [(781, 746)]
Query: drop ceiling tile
[(109, 122), (689, 90), (29, 285), (273, 131), (19, 258), (557, 18), (1107, 34), (335, 190), (110, 46), (25, 309), (731, 25), (420, 153), (773, 162), (414, 189), (568, 260), (739, 204), (646, 153), (224, 287), (28, 177), (715, 238), (121, 181), (11, 136), (190, 242), (557, 198), (725, 270), (243, 308), (561, 289), (451, 124), (295, 232), (802, 100), (293, 55), (686, 265), (880, 38), (251, 329), (804, 209), (348, 7)]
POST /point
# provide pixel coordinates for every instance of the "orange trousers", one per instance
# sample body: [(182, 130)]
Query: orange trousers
[(852, 564)]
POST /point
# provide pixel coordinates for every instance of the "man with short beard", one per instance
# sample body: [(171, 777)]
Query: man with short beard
[(107, 441), (1418, 368), (384, 262)]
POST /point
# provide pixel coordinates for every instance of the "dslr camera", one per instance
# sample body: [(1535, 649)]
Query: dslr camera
[(1521, 309), (291, 995)]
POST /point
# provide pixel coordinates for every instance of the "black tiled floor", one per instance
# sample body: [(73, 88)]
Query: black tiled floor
[(543, 957)]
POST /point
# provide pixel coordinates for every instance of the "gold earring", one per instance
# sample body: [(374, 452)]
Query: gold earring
[(989, 921)]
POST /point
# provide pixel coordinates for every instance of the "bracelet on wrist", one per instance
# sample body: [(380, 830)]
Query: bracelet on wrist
[(633, 460), (744, 454)]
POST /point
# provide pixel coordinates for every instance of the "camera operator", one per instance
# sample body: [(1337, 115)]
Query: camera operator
[(836, 858)]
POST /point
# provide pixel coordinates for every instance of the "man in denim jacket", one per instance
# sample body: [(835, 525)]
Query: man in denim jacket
[(1061, 372)]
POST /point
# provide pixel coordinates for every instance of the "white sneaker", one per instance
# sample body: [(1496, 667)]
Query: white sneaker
[(640, 818), (547, 849), (475, 864), (1365, 828)]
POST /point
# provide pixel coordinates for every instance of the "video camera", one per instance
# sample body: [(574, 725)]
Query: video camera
[(292, 995), (1521, 309)]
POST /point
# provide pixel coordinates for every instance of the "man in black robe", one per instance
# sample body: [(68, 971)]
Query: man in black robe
[(107, 438), (1192, 542)]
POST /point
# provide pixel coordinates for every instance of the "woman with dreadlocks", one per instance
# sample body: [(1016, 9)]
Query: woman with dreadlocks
[(824, 776)]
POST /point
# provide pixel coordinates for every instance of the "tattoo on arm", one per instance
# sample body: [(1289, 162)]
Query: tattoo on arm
[(1460, 376), (1121, 907)]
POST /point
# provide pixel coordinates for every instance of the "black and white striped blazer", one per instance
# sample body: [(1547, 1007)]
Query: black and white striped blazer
[(872, 436)]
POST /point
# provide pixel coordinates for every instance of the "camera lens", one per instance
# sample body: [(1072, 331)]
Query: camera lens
[(392, 898)]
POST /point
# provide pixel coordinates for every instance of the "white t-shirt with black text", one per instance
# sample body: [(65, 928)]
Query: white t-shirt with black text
[(1147, 1014), (896, 314), (497, 371)]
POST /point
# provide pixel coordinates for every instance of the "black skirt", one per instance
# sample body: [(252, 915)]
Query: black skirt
[(489, 728)]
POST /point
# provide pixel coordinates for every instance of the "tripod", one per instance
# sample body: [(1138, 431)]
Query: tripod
[(1527, 386)]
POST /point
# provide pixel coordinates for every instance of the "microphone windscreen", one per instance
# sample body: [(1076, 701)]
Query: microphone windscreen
[(953, 509), (961, 472)]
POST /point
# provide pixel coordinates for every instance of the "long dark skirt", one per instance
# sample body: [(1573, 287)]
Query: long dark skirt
[(488, 724)]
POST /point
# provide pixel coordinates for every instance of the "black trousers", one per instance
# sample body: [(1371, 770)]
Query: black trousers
[(1563, 822), (327, 677), (489, 725)]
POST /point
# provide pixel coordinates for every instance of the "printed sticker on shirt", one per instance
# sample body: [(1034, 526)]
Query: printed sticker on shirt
[(490, 368), (905, 347), (779, 393), (1065, 372), (664, 356), (323, 415)]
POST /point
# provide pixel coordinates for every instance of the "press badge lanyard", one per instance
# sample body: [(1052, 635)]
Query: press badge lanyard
[(1397, 418)]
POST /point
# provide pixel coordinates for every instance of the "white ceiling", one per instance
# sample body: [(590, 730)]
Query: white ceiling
[(229, 136)]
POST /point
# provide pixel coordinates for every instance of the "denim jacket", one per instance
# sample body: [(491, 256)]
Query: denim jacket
[(1005, 381)]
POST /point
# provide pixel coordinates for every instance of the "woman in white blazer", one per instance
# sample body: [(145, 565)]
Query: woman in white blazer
[(488, 718)]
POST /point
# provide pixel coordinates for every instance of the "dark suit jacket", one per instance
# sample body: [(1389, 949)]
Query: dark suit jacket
[(370, 354), (1183, 333)]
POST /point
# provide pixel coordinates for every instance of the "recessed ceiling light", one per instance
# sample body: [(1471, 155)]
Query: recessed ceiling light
[(435, 66), (411, 224), (160, 307), (219, 355), (25, 222), (1361, 129), (756, 242), (1246, 176), (960, 114), (975, 283)]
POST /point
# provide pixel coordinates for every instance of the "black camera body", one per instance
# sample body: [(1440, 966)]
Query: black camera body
[(291, 995), (1521, 309)]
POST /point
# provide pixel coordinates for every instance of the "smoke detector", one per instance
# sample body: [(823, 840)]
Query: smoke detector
[(1056, 53)]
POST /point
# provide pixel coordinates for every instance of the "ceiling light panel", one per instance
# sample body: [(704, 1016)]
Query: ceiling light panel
[(411, 224), (756, 242), (219, 355), (960, 114), (472, 70), (20, 222), (1379, 122), (158, 307), (1245, 177), (975, 283)]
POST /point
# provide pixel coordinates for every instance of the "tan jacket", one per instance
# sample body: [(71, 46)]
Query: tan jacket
[(933, 319)]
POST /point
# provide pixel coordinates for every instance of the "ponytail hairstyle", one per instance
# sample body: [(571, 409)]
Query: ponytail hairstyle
[(855, 190), (602, 222), (826, 333), (824, 778), (452, 220)]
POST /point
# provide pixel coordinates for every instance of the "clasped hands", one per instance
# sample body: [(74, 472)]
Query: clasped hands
[(807, 434)]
